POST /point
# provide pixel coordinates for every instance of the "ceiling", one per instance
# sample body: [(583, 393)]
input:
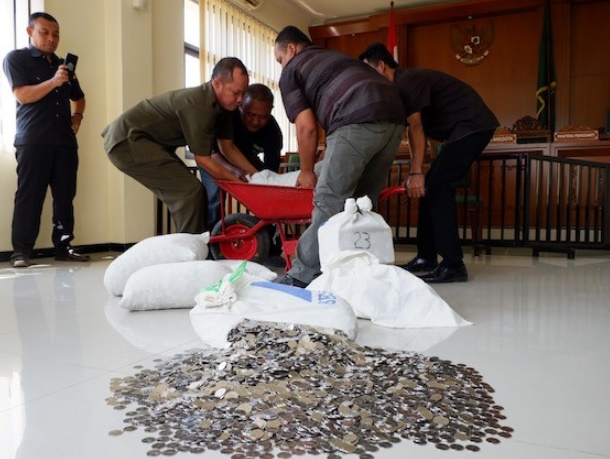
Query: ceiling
[(322, 11)]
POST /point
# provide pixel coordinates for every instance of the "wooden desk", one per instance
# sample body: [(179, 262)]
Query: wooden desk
[(507, 148), (588, 150)]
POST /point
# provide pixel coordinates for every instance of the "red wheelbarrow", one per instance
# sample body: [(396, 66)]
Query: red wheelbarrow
[(242, 236), (238, 236)]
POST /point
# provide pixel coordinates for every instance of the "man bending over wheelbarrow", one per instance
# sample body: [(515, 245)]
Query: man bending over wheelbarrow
[(363, 119), (142, 141)]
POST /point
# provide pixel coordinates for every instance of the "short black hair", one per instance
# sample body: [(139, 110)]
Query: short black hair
[(259, 92), (225, 66), (34, 16), (377, 52), (291, 34)]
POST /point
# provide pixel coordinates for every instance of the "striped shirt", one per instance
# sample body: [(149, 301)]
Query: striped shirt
[(339, 89)]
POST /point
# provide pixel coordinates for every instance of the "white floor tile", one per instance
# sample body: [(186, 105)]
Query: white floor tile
[(540, 338)]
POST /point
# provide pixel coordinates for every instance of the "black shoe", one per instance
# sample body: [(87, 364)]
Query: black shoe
[(19, 260), (445, 274), (275, 261), (71, 254), (420, 265), (289, 280)]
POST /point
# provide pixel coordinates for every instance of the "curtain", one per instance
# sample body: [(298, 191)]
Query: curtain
[(227, 31)]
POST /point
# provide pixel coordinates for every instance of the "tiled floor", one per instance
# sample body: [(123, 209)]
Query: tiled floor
[(540, 338)]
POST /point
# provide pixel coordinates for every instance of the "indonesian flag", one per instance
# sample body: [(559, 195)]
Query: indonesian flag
[(392, 44)]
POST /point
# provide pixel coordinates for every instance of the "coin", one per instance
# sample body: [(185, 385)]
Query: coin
[(303, 391)]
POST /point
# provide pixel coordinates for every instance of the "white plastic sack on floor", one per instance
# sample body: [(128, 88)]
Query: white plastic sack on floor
[(167, 248), (387, 295), (356, 228), (170, 285), (253, 268), (241, 296)]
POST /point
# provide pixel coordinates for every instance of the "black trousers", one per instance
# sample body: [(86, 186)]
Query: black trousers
[(38, 168), (437, 229)]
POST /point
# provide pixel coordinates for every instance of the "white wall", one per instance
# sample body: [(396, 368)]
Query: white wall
[(125, 55), (277, 14)]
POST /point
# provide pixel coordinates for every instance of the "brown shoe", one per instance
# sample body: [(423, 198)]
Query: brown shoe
[(71, 254)]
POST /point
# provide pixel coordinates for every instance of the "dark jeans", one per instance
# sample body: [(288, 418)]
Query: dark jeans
[(437, 229), (38, 168), (213, 191)]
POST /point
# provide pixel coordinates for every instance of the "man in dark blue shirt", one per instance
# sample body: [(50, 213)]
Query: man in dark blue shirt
[(50, 109)]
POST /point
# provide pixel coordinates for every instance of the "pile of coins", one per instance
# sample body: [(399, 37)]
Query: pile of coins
[(286, 390)]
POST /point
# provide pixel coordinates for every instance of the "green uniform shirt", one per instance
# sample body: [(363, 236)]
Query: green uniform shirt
[(190, 116)]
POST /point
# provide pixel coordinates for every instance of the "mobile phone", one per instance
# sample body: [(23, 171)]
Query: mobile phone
[(70, 62)]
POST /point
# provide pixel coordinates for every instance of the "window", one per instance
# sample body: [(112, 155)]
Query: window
[(231, 32), (191, 44), (13, 21), (9, 15)]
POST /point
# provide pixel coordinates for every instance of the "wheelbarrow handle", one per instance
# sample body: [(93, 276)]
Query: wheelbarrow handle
[(391, 191)]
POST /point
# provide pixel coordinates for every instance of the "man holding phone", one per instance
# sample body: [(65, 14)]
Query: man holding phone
[(50, 106)]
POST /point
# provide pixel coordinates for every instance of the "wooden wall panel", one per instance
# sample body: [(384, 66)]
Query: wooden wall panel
[(590, 63), (507, 78), (354, 44)]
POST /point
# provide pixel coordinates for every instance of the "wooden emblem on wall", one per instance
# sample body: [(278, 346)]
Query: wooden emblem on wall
[(472, 41)]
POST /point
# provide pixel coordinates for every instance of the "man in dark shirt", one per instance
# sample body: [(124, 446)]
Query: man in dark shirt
[(255, 130), (363, 119), (447, 110), (142, 142), (256, 134), (46, 147)]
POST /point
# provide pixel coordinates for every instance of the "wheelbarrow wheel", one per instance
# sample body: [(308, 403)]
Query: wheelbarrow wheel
[(254, 248)]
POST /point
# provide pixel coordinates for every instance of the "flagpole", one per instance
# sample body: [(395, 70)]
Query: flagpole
[(548, 67), (392, 42), (546, 85)]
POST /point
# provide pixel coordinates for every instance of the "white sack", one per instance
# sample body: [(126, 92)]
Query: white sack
[(387, 295), (168, 248), (240, 297), (170, 285), (252, 268), (268, 177), (356, 228)]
